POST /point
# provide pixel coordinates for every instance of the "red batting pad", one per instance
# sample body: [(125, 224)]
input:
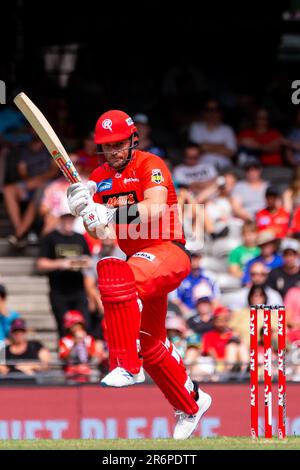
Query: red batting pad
[(165, 367), (121, 311)]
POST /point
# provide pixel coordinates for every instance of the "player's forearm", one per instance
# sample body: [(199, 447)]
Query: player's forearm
[(47, 264), (149, 210), (239, 211), (217, 148), (235, 270)]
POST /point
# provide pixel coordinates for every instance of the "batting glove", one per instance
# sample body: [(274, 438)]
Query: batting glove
[(80, 196), (96, 217)]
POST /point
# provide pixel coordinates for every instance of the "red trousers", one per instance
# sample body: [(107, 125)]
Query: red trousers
[(158, 270)]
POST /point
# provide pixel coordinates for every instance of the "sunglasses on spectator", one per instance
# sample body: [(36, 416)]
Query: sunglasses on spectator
[(257, 273)]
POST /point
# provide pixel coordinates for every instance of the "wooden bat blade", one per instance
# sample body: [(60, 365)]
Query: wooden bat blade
[(47, 135)]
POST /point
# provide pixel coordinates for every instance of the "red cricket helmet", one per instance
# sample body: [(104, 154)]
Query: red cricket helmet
[(114, 126), (72, 317)]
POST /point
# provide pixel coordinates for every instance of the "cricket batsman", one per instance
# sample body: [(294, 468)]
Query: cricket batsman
[(133, 190)]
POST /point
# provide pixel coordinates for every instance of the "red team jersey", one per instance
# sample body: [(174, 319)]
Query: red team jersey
[(277, 221), (115, 189)]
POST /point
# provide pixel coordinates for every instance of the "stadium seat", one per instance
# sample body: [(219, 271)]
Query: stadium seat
[(222, 247), (227, 283), (211, 263)]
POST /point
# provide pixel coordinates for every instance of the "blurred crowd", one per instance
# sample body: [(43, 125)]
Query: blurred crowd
[(246, 176)]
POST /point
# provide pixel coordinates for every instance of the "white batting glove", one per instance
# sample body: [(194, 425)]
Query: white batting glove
[(80, 196), (96, 217)]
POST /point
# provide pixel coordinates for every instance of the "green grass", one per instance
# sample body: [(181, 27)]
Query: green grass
[(154, 444)]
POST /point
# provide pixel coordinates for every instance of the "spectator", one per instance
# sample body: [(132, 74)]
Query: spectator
[(12, 125), (54, 201), (144, 131), (200, 367), (261, 140), (78, 349), (31, 356), (6, 316), (193, 174), (35, 168), (54, 204), (88, 158), (230, 181), (186, 293), (201, 320), (223, 344), (197, 366), (239, 321), (292, 142), (294, 229), (268, 244), (218, 213), (63, 256), (176, 330), (173, 310), (273, 216), (291, 196), (216, 140), (188, 346), (258, 276), (248, 196), (286, 276), (292, 305), (239, 256)]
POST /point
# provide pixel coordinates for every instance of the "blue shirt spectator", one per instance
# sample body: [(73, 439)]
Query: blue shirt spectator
[(6, 316), (186, 292), (268, 244), (273, 263), (196, 284)]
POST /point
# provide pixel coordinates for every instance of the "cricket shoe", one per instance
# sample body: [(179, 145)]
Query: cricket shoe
[(186, 424), (120, 377)]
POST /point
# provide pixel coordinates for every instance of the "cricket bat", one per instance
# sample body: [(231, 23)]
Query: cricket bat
[(47, 135)]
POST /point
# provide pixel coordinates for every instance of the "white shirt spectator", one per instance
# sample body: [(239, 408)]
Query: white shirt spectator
[(199, 173), (239, 299), (222, 134), (252, 201), (219, 211)]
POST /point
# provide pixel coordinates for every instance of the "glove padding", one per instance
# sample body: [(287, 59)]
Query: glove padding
[(94, 215), (80, 196)]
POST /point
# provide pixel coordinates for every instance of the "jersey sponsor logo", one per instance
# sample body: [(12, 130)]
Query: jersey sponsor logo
[(118, 175), (144, 255), (104, 185), (265, 220), (121, 199), (157, 176), (107, 124), (131, 180)]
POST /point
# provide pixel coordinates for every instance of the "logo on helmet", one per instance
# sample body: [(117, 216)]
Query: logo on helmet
[(129, 121), (107, 124)]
